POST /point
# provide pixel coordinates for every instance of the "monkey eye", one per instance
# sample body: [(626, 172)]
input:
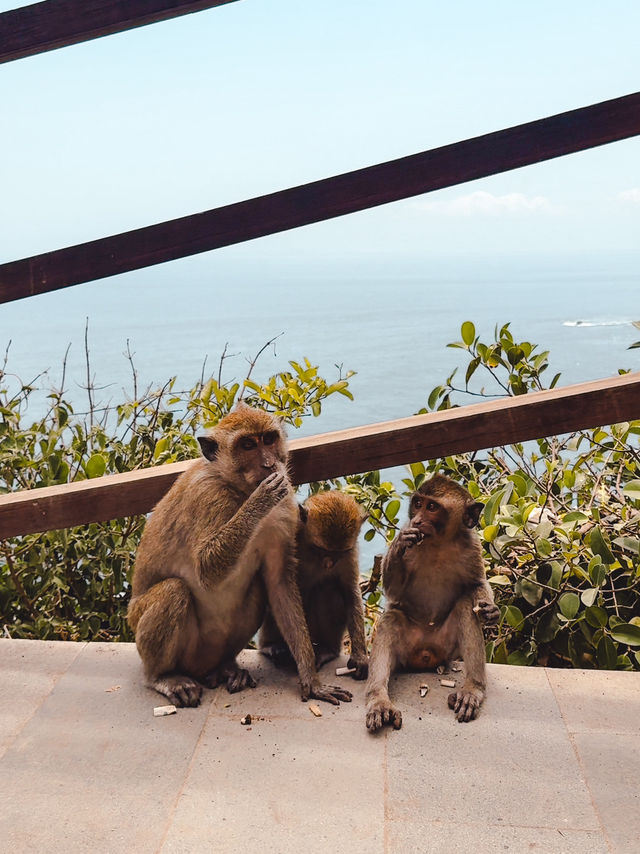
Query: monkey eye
[(432, 506), (248, 444), (270, 438), (417, 502)]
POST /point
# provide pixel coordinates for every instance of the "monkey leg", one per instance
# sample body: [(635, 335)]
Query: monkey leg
[(382, 662), (466, 702), (162, 619), (272, 645)]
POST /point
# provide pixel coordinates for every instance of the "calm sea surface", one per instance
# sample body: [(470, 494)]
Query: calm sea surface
[(392, 330)]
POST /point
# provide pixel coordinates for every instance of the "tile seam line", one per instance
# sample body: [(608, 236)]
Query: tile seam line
[(576, 752), (187, 775), (81, 647)]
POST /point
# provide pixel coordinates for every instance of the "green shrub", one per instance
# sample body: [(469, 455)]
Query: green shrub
[(73, 584)]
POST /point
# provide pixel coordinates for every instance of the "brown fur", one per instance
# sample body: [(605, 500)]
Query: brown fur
[(216, 548), (433, 577), (329, 581)]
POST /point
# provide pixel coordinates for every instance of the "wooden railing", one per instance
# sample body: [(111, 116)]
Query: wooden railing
[(391, 443), (490, 154), (48, 25), (57, 23)]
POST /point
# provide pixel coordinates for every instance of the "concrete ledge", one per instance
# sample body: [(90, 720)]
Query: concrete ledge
[(552, 764)]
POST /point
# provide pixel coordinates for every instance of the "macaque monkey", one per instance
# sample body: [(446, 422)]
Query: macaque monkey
[(216, 547), (329, 581), (437, 595)]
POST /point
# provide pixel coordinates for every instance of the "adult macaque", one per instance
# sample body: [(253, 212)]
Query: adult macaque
[(437, 594), (329, 581), (215, 548)]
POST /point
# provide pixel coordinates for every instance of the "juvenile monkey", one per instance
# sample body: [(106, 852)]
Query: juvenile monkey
[(437, 593), (329, 581), (216, 547)]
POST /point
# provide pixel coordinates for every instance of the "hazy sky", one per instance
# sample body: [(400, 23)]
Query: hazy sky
[(259, 95)]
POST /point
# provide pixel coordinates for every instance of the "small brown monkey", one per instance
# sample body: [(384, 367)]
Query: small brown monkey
[(437, 594), (214, 549), (329, 581)]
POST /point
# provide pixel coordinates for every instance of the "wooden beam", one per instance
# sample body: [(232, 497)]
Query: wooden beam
[(57, 23), (321, 200), (392, 443)]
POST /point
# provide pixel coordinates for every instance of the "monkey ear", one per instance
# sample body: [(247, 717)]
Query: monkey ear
[(304, 513), (209, 447), (472, 514)]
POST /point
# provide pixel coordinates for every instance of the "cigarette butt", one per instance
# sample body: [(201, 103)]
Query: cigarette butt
[(161, 711), (246, 720), (424, 690), (344, 671), (447, 683), (315, 710)]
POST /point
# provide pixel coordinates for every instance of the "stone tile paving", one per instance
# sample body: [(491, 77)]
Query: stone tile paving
[(551, 765)]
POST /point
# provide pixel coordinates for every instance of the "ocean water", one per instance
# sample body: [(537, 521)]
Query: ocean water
[(391, 327)]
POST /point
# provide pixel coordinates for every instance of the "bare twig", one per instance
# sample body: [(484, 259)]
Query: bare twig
[(252, 362)]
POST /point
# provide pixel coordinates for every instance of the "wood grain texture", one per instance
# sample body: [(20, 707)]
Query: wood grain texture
[(391, 443), (57, 23), (321, 200)]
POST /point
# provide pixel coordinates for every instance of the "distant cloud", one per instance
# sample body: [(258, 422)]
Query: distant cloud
[(632, 195), (487, 204)]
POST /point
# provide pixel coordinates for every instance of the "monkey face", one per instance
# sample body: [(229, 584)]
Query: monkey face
[(257, 455), (427, 515)]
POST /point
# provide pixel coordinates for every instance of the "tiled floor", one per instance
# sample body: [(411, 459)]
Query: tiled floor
[(551, 765)]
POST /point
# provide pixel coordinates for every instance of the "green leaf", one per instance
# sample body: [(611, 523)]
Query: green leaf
[(518, 658), (513, 616), (370, 535), (596, 617), (468, 332), (632, 489), (626, 633), (599, 546), (531, 592), (589, 596), (500, 580), (607, 653), (569, 603), (391, 510), (95, 466)]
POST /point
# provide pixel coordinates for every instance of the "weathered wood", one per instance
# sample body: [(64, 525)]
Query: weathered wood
[(57, 23), (332, 197), (391, 443)]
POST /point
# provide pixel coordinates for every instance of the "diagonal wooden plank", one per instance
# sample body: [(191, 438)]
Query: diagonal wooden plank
[(500, 151), (391, 443), (57, 23)]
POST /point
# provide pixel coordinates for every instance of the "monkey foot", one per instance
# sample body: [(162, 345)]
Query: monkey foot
[(234, 677), (179, 690), (488, 613), (329, 693), (382, 713), (361, 668), (279, 654), (465, 704)]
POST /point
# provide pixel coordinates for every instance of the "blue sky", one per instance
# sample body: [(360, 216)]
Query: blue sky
[(256, 96)]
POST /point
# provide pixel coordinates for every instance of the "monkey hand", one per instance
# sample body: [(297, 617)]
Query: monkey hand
[(329, 693), (269, 493), (381, 713), (361, 667), (409, 537), (465, 703), (488, 612)]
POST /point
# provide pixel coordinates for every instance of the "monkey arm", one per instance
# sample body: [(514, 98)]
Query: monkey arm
[(355, 626), (484, 604), (217, 553), (286, 605), (394, 571), (380, 710), (466, 702)]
